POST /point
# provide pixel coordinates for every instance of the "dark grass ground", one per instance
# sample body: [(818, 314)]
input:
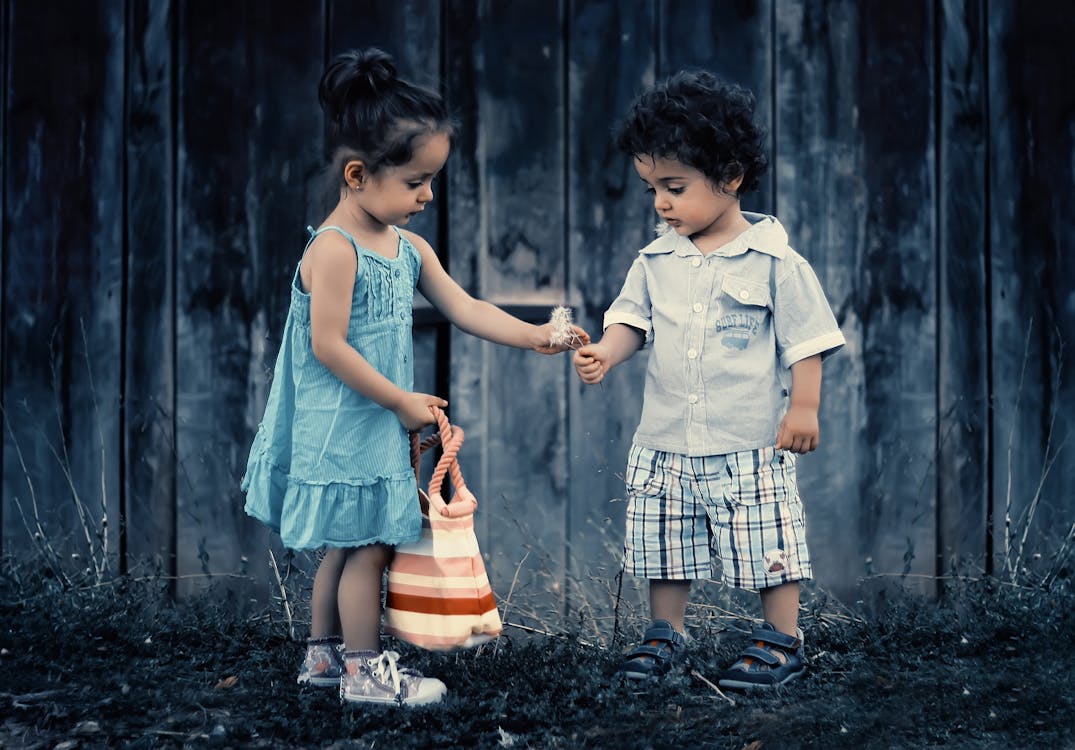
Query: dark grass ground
[(989, 666)]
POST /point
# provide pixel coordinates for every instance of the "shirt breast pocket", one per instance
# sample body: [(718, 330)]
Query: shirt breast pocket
[(743, 306), (740, 292)]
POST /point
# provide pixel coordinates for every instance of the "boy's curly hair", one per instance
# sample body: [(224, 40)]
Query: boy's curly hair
[(699, 120)]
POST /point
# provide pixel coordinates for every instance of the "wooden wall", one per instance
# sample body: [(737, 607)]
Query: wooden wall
[(160, 161)]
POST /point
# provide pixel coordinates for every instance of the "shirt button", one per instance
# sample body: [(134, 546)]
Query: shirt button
[(397, 273), (693, 398), (692, 354), (744, 294), (697, 306), (403, 316), (696, 262)]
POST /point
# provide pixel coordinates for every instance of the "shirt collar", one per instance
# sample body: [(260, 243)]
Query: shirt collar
[(766, 235)]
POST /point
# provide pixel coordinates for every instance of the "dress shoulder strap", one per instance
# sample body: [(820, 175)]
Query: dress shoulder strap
[(315, 232), (313, 235)]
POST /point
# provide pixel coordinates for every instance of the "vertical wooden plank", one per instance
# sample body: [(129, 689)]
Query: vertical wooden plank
[(464, 59), (510, 402), (149, 333), (1032, 276), (962, 375), (610, 218), (410, 31), (5, 517), (63, 275), (733, 40), (854, 189), (249, 142)]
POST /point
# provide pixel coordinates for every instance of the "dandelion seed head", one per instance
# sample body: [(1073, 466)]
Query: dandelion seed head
[(563, 333)]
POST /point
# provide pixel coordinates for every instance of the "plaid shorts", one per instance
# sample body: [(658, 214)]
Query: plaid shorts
[(684, 513)]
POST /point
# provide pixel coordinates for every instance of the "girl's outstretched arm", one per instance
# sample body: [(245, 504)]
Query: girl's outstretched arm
[(329, 276), (478, 317)]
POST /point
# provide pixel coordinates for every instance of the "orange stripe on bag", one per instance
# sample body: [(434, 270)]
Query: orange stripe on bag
[(439, 596), (442, 606)]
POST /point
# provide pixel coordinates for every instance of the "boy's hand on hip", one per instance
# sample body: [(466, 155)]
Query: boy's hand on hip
[(799, 431)]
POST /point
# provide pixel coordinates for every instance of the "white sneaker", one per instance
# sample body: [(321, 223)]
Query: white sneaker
[(377, 678)]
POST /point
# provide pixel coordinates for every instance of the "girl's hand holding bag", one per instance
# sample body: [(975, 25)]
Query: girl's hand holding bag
[(438, 593)]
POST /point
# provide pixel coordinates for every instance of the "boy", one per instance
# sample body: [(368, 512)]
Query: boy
[(738, 325)]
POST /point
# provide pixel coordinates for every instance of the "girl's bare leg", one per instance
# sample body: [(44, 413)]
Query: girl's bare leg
[(324, 610), (360, 596)]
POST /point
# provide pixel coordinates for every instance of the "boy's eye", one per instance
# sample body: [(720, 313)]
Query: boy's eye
[(414, 185), (675, 190)]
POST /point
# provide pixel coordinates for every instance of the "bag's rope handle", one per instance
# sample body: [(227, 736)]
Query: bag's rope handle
[(450, 437)]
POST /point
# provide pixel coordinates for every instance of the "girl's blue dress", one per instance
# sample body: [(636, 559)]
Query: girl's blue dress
[(329, 467)]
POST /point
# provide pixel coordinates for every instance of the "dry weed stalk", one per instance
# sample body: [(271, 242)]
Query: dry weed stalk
[(1014, 551), (716, 689), (94, 535), (37, 535), (283, 595), (511, 591)]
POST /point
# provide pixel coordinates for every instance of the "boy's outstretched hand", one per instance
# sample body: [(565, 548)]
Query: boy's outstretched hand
[(591, 363)]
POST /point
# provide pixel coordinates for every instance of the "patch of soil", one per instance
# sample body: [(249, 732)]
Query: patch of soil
[(989, 666)]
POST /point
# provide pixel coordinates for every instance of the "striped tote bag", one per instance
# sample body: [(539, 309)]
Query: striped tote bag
[(439, 596)]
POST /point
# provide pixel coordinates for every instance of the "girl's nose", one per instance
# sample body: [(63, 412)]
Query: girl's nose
[(426, 195), (660, 202)]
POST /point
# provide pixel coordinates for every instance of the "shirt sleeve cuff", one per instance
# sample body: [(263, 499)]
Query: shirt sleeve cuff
[(825, 345), (627, 319)]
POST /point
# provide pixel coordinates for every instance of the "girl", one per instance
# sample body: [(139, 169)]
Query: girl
[(329, 467)]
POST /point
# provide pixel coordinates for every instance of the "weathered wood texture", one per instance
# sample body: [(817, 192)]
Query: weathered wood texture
[(962, 308), (161, 160), (854, 190), (1031, 277), (63, 277), (610, 218), (511, 403), (246, 143), (149, 334)]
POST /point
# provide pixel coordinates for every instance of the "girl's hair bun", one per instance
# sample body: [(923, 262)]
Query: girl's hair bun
[(355, 75)]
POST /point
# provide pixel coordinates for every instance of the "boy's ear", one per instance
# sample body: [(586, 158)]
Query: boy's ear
[(355, 174), (732, 185)]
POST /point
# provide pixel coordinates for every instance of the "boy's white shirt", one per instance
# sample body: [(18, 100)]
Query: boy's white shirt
[(723, 330)]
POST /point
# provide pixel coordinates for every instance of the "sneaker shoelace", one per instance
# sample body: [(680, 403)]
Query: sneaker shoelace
[(384, 668)]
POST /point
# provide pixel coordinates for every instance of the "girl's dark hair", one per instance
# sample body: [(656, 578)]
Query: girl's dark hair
[(701, 121), (375, 115)]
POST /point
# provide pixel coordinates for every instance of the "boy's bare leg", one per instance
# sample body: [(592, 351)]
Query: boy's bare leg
[(324, 610), (780, 605), (360, 597), (668, 600)]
